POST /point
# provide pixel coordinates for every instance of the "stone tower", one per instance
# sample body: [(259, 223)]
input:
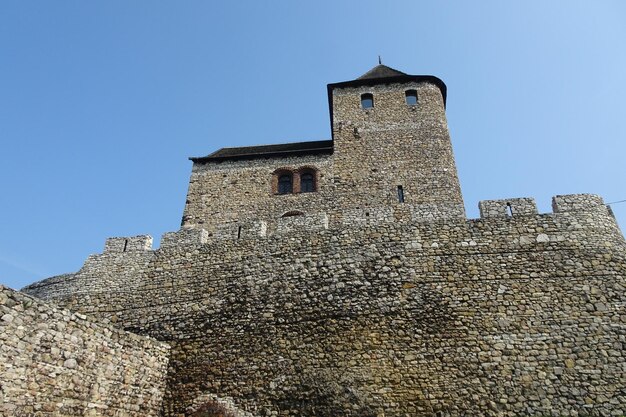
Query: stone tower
[(392, 143)]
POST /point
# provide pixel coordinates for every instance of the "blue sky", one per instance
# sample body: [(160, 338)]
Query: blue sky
[(101, 103)]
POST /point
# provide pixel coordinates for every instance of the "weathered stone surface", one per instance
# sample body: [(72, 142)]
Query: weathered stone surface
[(422, 317), (56, 363), (362, 298)]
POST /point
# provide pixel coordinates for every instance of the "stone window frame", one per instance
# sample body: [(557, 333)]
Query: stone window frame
[(295, 179)]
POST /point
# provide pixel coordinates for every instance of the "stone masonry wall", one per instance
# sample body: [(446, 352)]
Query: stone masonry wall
[(394, 144), (498, 316), (375, 151), (57, 363), (238, 191)]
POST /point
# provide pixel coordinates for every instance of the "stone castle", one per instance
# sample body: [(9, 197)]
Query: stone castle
[(335, 278)]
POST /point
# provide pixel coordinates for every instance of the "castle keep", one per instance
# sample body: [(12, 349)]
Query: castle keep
[(383, 150), (335, 278)]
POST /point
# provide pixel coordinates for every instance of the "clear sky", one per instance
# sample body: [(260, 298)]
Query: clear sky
[(101, 102)]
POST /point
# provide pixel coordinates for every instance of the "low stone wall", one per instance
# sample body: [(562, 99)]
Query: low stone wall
[(57, 363)]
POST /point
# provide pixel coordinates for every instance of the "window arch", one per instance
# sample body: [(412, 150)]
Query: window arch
[(367, 101), (411, 97), (293, 213), (285, 183)]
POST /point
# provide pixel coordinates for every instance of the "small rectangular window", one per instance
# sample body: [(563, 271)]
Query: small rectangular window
[(367, 101), (411, 97), (400, 194)]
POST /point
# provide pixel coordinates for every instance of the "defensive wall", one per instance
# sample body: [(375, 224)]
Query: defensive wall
[(57, 363), (381, 313)]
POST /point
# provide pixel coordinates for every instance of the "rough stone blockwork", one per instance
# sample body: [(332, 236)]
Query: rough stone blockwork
[(57, 363), (498, 316), (342, 278)]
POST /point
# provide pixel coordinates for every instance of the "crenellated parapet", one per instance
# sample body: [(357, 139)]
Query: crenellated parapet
[(578, 212)]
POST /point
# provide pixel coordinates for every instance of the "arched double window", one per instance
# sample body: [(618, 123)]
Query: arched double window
[(294, 181)]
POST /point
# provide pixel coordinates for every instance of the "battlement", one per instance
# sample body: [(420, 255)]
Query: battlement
[(139, 243), (440, 279), (577, 207), (577, 202), (508, 207), (513, 207), (238, 230), (184, 237)]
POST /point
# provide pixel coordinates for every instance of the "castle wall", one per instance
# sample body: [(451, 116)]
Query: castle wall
[(57, 363), (392, 144), (236, 191), (498, 316)]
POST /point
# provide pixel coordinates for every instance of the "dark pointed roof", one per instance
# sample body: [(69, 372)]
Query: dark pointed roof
[(380, 71)]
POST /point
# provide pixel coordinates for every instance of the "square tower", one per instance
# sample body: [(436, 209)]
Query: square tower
[(392, 145)]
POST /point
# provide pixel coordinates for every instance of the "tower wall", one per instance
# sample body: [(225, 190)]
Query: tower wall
[(394, 144)]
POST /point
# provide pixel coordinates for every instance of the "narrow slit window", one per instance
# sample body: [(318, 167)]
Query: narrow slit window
[(509, 210), (125, 245), (367, 101), (239, 232), (400, 194), (411, 97), (285, 184)]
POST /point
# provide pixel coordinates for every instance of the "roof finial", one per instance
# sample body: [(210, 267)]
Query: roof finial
[(379, 60)]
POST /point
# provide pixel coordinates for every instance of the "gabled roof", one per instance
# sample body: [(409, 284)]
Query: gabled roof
[(283, 149), (380, 71)]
